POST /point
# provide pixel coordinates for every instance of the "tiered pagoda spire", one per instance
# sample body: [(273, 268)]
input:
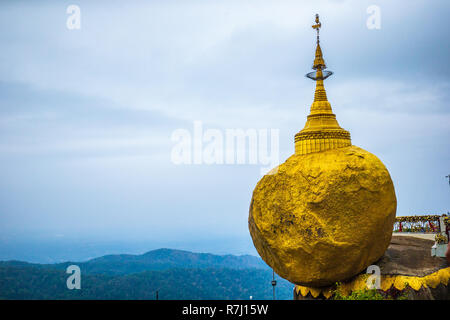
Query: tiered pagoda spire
[(321, 131)]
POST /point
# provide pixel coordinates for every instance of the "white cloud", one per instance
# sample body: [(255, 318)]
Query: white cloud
[(105, 99)]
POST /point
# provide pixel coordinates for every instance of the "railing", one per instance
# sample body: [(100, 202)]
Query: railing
[(422, 224), (428, 224)]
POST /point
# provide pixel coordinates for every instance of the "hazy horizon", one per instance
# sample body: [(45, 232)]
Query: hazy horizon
[(79, 250), (86, 116)]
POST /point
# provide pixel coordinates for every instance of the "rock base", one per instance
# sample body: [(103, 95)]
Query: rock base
[(407, 269)]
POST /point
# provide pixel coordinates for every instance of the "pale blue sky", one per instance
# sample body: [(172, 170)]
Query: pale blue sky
[(86, 115)]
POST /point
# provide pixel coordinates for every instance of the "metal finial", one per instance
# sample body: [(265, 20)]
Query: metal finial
[(317, 27), (319, 63)]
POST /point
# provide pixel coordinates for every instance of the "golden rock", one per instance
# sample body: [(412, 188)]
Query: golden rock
[(323, 217), (328, 212)]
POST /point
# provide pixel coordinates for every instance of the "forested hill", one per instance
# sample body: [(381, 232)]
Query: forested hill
[(160, 259), (175, 274)]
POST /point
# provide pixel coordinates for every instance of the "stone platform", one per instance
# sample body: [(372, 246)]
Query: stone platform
[(407, 265)]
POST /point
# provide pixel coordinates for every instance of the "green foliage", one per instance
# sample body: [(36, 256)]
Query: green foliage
[(369, 294), (364, 294), (115, 277), (157, 260)]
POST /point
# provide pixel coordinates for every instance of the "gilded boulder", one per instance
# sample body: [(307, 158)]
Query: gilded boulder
[(323, 217)]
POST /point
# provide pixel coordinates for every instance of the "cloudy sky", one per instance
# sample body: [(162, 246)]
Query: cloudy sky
[(86, 115)]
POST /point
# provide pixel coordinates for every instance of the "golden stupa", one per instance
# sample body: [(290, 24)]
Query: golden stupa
[(326, 213)]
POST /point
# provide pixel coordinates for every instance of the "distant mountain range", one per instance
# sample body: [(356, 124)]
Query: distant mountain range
[(176, 274)]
